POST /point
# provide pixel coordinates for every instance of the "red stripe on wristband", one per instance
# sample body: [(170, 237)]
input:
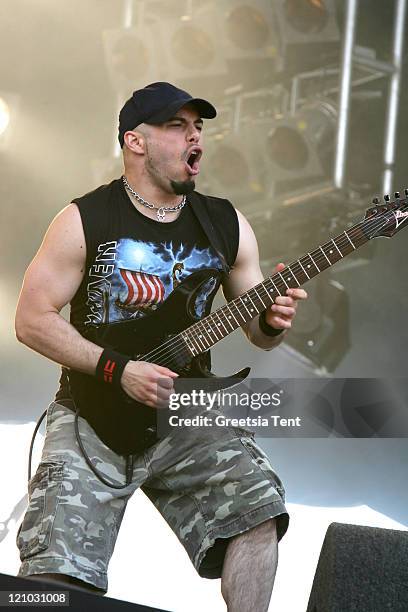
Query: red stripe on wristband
[(110, 367)]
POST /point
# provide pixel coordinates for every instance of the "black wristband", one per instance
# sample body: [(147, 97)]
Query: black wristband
[(267, 329), (110, 367)]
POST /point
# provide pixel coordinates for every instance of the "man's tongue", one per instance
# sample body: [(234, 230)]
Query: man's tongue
[(192, 164)]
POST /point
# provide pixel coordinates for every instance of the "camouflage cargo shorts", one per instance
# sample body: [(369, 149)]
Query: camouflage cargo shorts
[(208, 486)]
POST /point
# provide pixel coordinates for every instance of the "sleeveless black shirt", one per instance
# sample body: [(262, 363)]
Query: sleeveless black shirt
[(133, 263)]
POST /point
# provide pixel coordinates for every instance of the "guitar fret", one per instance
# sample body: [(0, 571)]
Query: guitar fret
[(201, 335), (330, 263), (235, 303), (287, 286), (244, 305), (340, 253), (300, 263), (314, 263), (260, 299), (294, 276), (227, 318), (252, 302), (222, 323), (349, 240), (232, 314), (212, 330), (191, 342), (270, 292), (276, 289)]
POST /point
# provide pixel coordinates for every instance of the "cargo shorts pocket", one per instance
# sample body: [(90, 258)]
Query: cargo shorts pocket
[(263, 462), (44, 490)]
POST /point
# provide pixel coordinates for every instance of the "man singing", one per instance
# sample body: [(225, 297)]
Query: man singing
[(115, 254)]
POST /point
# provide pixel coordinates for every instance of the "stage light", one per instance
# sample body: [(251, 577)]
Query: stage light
[(230, 168), (4, 116), (307, 16), (9, 104), (132, 57), (285, 156), (307, 33), (287, 148), (192, 46), (248, 29)]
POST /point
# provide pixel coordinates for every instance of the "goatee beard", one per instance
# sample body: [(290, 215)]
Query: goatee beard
[(183, 187)]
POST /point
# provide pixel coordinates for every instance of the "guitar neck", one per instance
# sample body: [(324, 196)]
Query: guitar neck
[(204, 334)]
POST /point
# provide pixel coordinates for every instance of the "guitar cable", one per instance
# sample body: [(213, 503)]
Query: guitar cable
[(129, 458)]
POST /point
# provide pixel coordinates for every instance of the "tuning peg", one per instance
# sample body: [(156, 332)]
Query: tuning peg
[(397, 195), (386, 198), (377, 201)]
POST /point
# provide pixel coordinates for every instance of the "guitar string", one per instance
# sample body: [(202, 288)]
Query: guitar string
[(161, 351), (178, 344)]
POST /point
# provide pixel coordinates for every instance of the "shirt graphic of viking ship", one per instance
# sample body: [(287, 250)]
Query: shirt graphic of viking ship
[(129, 278)]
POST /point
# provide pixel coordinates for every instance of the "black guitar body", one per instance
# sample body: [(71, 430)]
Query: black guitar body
[(148, 339)]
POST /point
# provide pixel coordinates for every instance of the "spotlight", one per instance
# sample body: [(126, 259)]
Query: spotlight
[(248, 29), (307, 16), (9, 103), (230, 167), (307, 32), (132, 57), (287, 154), (191, 47), (4, 116)]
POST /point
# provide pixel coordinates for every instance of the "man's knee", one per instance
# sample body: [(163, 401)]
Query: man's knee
[(264, 532)]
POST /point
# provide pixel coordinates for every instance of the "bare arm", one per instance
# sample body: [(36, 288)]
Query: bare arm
[(51, 281), (245, 274)]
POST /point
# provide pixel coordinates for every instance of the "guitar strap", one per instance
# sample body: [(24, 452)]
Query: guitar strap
[(200, 209)]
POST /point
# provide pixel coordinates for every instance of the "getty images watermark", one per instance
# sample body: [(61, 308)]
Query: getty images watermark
[(216, 403), (295, 408)]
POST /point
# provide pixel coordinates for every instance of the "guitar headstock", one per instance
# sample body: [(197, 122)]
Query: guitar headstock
[(386, 219)]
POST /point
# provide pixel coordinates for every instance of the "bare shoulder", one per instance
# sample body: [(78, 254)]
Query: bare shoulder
[(56, 272), (65, 235), (245, 272), (248, 245)]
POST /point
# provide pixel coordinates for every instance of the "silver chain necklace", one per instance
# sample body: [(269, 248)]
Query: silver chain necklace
[(161, 210)]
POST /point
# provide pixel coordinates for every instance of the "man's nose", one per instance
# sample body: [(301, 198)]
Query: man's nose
[(194, 135)]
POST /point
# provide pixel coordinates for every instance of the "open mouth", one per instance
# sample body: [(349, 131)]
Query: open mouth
[(192, 163)]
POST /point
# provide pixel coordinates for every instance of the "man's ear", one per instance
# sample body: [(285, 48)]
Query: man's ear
[(135, 141)]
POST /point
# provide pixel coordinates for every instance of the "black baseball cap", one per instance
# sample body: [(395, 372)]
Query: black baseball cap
[(156, 103)]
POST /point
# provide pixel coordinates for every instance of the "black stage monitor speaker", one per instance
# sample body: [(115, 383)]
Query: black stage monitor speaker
[(29, 594), (361, 569)]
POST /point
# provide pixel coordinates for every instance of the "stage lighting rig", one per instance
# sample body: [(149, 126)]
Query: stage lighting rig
[(192, 46), (307, 33), (248, 30), (133, 57), (229, 168)]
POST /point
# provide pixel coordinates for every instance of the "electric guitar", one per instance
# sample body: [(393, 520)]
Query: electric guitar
[(172, 336)]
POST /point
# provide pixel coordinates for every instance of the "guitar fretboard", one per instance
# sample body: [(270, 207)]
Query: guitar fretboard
[(202, 335)]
